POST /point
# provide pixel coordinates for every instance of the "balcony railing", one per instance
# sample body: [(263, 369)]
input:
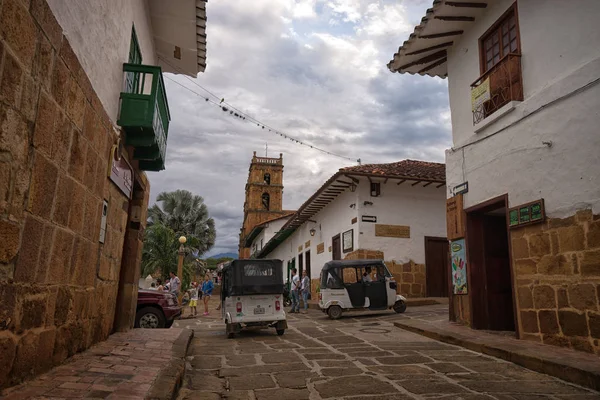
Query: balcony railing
[(505, 85), (145, 115)]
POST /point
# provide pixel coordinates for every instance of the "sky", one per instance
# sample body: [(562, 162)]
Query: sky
[(313, 69)]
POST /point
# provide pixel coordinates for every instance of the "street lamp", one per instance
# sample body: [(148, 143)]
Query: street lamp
[(313, 231), (181, 253)]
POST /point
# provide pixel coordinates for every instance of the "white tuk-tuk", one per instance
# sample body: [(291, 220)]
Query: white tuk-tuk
[(358, 285), (252, 296)]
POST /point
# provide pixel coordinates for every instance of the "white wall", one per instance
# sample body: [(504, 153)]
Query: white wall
[(334, 219), (421, 208), (560, 55), (99, 32), (267, 233)]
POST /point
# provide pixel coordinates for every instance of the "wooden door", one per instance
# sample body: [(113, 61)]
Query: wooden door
[(307, 263), (336, 250), (436, 266)]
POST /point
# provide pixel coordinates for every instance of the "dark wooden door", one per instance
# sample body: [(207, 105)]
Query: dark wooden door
[(336, 250), (300, 265), (307, 263), (436, 266)]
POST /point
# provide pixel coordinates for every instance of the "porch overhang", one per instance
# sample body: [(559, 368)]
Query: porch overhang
[(179, 29), (425, 51)]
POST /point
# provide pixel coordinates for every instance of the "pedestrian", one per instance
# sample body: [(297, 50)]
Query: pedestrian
[(159, 285), (194, 299), (207, 288), (175, 284), (305, 290), (295, 288)]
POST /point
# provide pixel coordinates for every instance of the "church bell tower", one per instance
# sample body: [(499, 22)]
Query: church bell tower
[(264, 196)]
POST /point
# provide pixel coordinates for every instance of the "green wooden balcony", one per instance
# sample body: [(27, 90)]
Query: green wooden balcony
[(144, 115)]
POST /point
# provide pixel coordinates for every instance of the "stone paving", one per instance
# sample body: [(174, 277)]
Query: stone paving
[(137, 364), (361, 356)]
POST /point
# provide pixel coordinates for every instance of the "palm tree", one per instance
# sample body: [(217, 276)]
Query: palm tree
[(160, 251), (185, 214)]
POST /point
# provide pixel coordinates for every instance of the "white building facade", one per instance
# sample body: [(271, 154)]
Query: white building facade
[(383, 211), (524, 97)]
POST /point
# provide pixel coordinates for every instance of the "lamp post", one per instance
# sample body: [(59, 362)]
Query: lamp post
[(181, 253)]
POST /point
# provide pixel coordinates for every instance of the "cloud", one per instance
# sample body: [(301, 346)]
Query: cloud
[(315, 69)]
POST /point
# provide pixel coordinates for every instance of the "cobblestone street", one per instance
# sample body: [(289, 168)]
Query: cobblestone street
[(357, 357)]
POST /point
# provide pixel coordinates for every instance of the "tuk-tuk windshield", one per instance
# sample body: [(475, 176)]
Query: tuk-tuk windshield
[(245, 277), (258, 270), (342, 273)]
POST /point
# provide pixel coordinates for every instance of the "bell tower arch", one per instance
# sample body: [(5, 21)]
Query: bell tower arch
[(264, 196)]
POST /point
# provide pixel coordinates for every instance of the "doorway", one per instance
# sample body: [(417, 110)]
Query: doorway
[(436, 266), (490, 274), (336, 249), (300, 264), (307, 263)]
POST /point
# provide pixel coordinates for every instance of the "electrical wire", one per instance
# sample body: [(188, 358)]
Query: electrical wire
[(226, 106)]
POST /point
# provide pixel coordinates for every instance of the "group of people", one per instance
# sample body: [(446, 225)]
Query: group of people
[(171, 285), (204, 292), (300, 289)]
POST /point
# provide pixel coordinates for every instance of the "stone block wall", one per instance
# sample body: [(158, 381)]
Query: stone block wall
[(409, 276), (58, 284), (557, 276)]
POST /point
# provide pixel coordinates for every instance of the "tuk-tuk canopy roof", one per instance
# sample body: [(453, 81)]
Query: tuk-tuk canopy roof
[(238, 280), (349, 263)]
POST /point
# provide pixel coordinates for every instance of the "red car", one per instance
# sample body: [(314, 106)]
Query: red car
[(156, 309)]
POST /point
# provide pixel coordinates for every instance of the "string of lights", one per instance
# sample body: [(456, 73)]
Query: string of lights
[(237, 113)]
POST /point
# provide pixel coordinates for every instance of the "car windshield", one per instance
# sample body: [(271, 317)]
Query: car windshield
[(258, 270)]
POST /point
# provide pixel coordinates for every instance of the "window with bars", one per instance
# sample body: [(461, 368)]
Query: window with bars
[(135, 57), (501, 40)]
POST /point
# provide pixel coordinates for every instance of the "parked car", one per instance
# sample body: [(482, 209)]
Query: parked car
[(156, 309)]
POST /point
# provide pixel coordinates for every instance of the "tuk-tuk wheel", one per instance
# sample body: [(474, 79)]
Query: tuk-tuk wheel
[(280, 332), (399, 306), (230, 335), (334, 312)]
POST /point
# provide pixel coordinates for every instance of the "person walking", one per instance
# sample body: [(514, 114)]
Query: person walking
[(207, 288), (194, 299), (295, 292), (305, 290), (174, 284)]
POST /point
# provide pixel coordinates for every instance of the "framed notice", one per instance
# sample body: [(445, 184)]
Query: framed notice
[(526, 214), (348, 241), (320, 248)]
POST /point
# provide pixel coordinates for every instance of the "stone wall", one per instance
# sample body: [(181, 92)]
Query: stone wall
[(409, 276), (557, 276), (58, 284)]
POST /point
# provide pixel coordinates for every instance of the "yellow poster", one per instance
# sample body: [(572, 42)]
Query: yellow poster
[(480, 94)]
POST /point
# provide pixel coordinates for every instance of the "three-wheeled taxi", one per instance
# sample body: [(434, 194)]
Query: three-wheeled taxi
[(358, 285), (252, 295)]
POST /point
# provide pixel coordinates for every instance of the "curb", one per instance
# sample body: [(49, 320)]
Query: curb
[(409, 303), (167, 384), (579, 373)]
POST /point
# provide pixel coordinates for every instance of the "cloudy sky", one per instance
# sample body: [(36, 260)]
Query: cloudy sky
[(315, 69)]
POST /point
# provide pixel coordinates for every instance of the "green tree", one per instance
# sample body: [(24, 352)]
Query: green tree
[(187, 215), (160, 251)]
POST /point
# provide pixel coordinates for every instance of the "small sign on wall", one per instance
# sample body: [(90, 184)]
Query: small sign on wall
[(320, 248), (395, 231), (307, 244), (459, 266), (299, 248), (348, 241), (526, 214), (369, 218), (455, 226)]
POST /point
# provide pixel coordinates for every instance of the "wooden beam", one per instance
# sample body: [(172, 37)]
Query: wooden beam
[(466, 4), (340, 181), (416, 183), (427, 184), (440, 185), (401, 182), (426, 49), (443, 34), (352, 179), (453, 18), (425, 60), (386, 179), (432, 66), (340, 186)]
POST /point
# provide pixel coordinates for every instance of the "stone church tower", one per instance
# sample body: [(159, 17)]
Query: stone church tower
[(264, 193)]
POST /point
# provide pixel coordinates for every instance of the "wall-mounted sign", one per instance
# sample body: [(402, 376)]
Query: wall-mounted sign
[(329, 249), (300, 249), (526, 214), (320, 248), (455, 226), (369, 218), (480, 94), (459, 266), (119, 170), (348, 241), (460, 189), (354, 220), (307, 244), (395, 231)]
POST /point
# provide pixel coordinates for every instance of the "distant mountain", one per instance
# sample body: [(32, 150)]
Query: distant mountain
[(223, 255)]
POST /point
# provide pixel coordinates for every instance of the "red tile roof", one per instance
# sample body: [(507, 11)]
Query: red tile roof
[(403, 169)]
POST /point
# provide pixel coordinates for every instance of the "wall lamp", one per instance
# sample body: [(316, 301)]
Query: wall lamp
[(368, 203), (313, 231), (352, 205), (353, 187)]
